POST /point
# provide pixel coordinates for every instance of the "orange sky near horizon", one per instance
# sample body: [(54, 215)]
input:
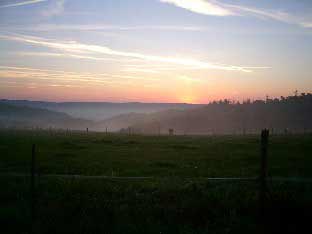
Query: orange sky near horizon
[(170, 51)]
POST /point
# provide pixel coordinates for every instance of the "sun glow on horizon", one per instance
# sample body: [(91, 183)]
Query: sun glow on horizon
[(173, 51), (188, 99)]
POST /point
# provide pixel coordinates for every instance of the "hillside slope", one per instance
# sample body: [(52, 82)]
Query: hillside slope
[(27, 117), (98, 111), (292, 114)]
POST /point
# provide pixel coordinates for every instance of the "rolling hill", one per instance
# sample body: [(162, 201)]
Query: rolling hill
[(29, 117), (290, 114), (98, 111)]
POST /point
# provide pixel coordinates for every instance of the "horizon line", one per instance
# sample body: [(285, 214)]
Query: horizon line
[(142, 102)]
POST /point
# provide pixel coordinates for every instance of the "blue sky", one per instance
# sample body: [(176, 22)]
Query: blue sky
[(154, 50)]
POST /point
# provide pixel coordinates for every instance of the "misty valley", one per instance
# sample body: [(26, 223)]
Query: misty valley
[(130, 174), (290, 114)]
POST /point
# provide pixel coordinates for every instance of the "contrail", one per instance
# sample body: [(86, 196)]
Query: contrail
[(22, 3)]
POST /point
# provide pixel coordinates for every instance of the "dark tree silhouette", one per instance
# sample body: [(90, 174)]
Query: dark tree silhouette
[(292, 114)]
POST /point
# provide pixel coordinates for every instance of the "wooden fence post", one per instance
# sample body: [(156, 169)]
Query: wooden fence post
[(263, 168), (32, 186)]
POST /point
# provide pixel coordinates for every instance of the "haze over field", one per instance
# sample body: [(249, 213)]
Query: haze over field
[(290, 114)]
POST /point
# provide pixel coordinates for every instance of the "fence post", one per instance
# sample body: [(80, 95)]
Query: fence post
[(263, 169), (32, 186)]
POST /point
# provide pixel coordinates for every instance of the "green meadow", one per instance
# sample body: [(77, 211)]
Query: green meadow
[(175, 198)]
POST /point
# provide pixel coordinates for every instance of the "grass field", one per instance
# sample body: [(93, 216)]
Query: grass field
[(176, 200)]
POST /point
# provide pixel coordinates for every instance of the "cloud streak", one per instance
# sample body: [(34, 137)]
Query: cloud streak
[(75, 56), (103, 27), (216, 8), (271, 14), (78, 78), (22, 3), (200, 7), (110, 29), (75, 48)]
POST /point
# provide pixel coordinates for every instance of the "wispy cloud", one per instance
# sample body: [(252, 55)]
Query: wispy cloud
[(55, 7), (76, 56), (75, 48), (307, 24), (22, 3), (201, 7), (136, 70), (152, 68), (73, 78), (189, 79), (103, 27), (277, 15), (217, 8), (97, 27)]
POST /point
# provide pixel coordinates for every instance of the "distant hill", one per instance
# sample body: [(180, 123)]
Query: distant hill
[(27, 117), (132, 119), (100, 110), (287, 114), (121, 121), (290, 114)]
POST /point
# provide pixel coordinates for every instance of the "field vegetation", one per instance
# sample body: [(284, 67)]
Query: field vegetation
[(175, 198)]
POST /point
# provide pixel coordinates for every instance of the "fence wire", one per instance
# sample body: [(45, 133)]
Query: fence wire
[(153, 205)]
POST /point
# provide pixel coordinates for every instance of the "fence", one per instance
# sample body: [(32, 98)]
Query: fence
[(120, 199)]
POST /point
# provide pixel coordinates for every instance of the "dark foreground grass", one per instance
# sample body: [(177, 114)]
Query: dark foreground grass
[(153, 206), (176, 200)]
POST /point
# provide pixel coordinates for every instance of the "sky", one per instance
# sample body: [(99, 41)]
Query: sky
[(192, 51)]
